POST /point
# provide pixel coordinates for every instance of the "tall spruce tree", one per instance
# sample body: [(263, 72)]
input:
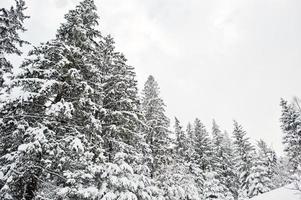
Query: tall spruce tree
[(218, 150), (178, 181), (244, 152), (269, 158), (157, 133), (181, 140), (223, 161), (229, 172), (290, 124), (203, 148), (126, 176), (260, 177), (291, 127), (190, 160), (189, 131), (54, 127), (191, 145), (199, 154)]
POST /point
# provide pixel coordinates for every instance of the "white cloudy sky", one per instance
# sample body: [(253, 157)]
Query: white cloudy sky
[(217, 59)]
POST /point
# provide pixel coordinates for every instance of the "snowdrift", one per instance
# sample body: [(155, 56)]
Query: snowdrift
[(285, 193)]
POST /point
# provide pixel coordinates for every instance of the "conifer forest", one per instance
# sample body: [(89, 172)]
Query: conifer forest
[(74, 126)]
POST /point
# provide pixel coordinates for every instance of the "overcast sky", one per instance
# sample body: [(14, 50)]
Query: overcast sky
[(212, 59)]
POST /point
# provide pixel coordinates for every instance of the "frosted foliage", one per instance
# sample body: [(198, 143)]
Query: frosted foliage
[(38, 138), (77, 145), (213, 189), (121, 182), (297, 178), (61, 108), (11, 25), (178, 183), (259, 180)]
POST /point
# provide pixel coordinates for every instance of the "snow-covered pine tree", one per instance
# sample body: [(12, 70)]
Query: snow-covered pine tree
[(11, 24), (259, 178), (203, 146), (125, 175), (291, 127), (230, 176), (198, 153), (214, 189), (223, 160), (157, 133), (178, 182), (269, 159), (218, 150), (53, 147), (189, 131), (244, 152), (283, 171), (181, 140), (191, 144), (190, 161)]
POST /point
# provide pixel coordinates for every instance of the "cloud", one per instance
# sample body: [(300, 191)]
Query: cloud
[(134, 29), (61, 3), (225, 30)]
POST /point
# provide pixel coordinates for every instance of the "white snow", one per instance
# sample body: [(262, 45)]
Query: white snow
[(17, 93), (285, 193), (89, 192), (61, 107), (1, 175)]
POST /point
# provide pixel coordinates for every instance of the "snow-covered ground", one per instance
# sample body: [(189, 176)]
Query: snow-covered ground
[(285, 193)]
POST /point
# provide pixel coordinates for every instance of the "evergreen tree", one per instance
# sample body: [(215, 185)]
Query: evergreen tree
[(181, 140), (198, 153), (223, 160), (179, 182), (54, 127), (189, 131), (218, 150), (190, 142), (290, 124), (11, 24), (214, 189), (126, 175), (191, 148), (157, 123), (230, 176), (282, 174), (203, 146), (260, 177), (244, 152), (190, 160), (268, 157), (291, 127)]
